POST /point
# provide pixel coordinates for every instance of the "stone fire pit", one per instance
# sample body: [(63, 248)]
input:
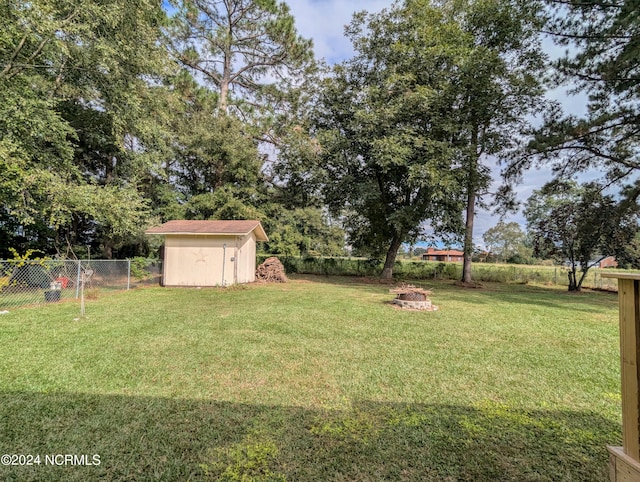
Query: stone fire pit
[(412, 298)]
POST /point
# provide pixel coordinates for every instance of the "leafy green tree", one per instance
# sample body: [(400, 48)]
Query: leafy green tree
[(250, 59), (217, 154), (384, 129), (71, 77), (579, 226), (211, 162), (301, 231), (507, 241), (209, 167), (629, 258), (433, 92), (498, 89)]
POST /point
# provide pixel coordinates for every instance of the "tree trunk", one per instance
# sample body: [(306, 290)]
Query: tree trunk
[(107, 248), (222, 100), (578, 285), (75, 230), (468, 235), (387, 271), (471, 205), (573, 284), (225, 81)]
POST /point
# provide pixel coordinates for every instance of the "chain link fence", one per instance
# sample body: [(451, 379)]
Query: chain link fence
[(550, 275), (424, 270), (33, 282)]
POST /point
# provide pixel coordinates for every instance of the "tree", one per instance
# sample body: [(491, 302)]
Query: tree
[(456, 80), (578, 225), (71, 78), (383, 130), (506, 241), (419, 251), (214, 164), (243, 49), (209, 167), (301, 231), (602, 64), (630, 257), (498, 89)]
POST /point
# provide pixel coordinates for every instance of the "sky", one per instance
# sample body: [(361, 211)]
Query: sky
[(324, 21)]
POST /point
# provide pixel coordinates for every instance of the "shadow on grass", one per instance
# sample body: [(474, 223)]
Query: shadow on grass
[(539, 297), (145, 438)]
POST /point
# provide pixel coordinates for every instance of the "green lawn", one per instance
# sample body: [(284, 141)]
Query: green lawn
[(318, 379)]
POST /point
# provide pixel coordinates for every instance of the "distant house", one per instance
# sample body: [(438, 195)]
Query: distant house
[(608, 262), (446, 255), (209, 253)]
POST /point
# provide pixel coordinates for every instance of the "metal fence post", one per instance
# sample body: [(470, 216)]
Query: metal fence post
[(78, 281), (128, 274)]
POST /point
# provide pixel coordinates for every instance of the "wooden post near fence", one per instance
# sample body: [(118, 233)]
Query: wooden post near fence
[(624, 462)]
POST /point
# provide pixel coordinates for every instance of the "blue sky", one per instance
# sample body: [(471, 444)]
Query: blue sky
[(324, 21)]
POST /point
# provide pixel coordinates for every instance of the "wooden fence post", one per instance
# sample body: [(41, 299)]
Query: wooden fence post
[(624, 462)]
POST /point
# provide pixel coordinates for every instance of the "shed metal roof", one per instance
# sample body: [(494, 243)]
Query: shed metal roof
[(211, 228)]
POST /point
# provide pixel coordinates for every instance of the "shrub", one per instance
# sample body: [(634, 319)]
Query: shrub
[(139, 268), (328, 266)]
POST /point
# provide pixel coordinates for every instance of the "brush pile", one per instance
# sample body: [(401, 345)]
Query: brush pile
[(271, 271)]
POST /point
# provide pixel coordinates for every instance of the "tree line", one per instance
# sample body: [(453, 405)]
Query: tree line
[(116, 115)]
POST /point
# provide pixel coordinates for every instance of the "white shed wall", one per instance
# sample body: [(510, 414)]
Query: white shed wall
[(198, 260), (247, 259)]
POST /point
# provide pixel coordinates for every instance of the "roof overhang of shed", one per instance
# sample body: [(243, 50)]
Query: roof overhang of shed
[(210, 228)]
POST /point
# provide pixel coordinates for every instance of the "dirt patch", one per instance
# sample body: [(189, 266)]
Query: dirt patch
[(476, 285)]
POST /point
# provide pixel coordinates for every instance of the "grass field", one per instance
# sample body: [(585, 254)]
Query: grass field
[(318, 379)]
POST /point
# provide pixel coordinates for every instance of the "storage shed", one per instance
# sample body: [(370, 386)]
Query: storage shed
[(209, 253)]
